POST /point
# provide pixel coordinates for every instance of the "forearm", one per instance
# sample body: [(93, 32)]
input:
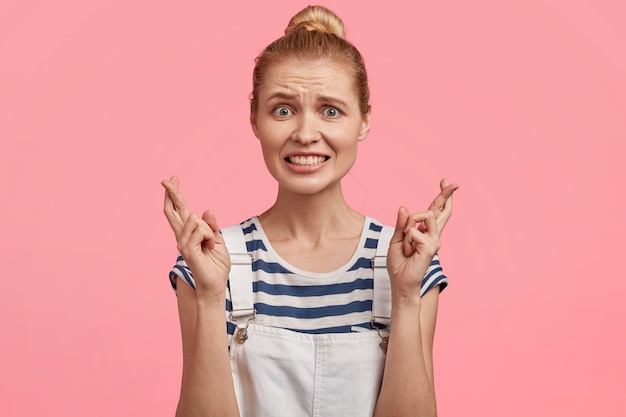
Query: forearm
[(407, 387), (207, 385)]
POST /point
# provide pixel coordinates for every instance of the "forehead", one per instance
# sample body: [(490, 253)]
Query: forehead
[(310, 77)]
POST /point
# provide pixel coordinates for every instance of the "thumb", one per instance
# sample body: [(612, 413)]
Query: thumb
[(403, 216), (210, 219), (216, 237)]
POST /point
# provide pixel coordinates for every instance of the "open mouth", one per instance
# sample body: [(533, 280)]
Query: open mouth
[(309, 160)]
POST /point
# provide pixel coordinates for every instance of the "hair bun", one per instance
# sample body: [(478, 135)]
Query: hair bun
[(317, 18)]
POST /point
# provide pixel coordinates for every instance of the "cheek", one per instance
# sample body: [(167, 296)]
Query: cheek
[(345, 137), (271, 152), (270, 148), (272, 162)]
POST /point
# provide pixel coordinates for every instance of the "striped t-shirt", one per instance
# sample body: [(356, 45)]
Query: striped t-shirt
[(309, 302)]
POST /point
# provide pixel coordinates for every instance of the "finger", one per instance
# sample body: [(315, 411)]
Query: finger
[(444, 183), (211, 221), (439, 202), (194, 234), (178, 201), (399, 232), (448, 204), (173, 218), (420, 220), (422, 243), (445, 214), (183, 239), (203, 235), (408, 236), (416, 221), (413, 239), (432, 228), (449, 190), (441, 205)]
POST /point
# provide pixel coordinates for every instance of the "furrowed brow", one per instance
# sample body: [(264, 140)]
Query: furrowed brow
[(333, 100), (280, 96)]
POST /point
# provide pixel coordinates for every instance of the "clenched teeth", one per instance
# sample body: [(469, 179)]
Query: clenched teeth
[(306, 160)]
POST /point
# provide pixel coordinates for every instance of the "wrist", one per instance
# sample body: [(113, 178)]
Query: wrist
[(405, 315), (211, 299), (406, 301)]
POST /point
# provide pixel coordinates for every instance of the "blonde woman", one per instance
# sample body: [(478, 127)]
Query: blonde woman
[(310, 328)]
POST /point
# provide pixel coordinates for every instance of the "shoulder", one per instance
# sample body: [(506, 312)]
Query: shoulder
[(378, 233), (236, 235)]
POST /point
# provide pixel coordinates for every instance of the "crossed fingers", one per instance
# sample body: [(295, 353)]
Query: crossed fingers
[(427, 234), (441, 206), (175, 207)]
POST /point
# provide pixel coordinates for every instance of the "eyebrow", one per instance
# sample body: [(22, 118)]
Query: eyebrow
[(287, 96), (335, 100), (279, 95)]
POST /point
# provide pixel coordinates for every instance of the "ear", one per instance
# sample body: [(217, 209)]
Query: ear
[(366, 124), (253, 123)]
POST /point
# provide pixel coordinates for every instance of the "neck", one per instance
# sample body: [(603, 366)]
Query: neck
[(311, 217)]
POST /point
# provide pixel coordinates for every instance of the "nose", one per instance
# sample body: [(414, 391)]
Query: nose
[(307, 129)]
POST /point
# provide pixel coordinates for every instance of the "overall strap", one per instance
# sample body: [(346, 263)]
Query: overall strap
[(240, 277), (381, 308)]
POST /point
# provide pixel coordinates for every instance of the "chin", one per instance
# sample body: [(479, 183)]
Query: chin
[(307, 187)]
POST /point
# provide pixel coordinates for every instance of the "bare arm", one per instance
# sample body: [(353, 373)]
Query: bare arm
[(408, 387), (207, 384), (207, 388), (408, 383)]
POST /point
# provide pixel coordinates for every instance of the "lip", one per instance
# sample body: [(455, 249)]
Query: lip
[(304, 169)]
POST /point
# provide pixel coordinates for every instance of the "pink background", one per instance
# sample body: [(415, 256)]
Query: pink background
[(521, 102)]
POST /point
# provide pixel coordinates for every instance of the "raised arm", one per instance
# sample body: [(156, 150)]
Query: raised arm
[(207, 385), (408, 381)]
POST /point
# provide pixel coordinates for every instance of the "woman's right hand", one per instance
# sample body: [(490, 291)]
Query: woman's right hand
[(199, 242)]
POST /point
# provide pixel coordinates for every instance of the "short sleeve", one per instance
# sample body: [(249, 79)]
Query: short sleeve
[(181, 270), (434, 276)]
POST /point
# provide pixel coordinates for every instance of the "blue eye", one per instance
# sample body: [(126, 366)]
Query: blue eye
[(282, 111), (331, 112)]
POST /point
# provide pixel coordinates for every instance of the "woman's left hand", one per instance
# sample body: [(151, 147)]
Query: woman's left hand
[(414, 243)]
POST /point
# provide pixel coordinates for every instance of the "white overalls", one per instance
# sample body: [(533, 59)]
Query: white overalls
[(282, 373)]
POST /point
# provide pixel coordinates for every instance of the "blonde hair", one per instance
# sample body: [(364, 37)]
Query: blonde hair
[(316, 18), (314, 33)]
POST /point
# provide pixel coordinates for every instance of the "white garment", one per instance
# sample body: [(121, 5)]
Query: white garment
[(282, 373)]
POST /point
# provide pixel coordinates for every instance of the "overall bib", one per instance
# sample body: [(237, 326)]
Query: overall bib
[(283, 373)]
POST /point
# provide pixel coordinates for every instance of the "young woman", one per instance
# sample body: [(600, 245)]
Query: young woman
[(304, 336)]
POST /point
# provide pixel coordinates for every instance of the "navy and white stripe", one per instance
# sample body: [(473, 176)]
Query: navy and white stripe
[(290, 298)]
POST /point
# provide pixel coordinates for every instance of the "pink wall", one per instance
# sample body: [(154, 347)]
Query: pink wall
[(521, 102)]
